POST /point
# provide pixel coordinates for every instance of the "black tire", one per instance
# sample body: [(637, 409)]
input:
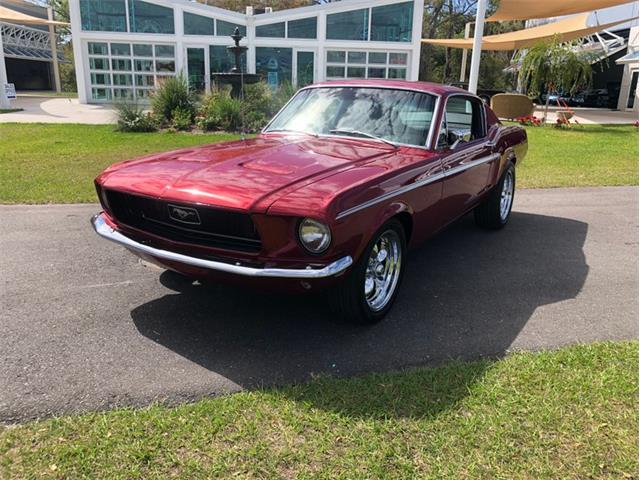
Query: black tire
[(489, 213), (348, 299)]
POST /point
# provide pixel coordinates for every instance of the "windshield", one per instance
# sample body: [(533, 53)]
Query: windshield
[(398, 116)]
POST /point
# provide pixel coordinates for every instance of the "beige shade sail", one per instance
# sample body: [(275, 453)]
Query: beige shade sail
[(8, 15), (565, 30), (527, 9)]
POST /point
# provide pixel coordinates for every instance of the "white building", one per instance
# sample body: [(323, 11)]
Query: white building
[(122, 47)]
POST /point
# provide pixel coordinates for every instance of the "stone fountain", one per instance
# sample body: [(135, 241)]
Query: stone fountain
[(236, 78)]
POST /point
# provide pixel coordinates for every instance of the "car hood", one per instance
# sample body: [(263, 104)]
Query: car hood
[(246, 174)]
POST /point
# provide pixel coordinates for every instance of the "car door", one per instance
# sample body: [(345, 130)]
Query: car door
[(467, 156)]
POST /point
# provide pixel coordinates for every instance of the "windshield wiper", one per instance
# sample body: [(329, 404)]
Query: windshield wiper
[(347, 131), (277, 130)]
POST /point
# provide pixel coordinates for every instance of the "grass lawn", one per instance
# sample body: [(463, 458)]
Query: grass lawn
[(571, 413), (42, 163), (590, 155), (49, 163)]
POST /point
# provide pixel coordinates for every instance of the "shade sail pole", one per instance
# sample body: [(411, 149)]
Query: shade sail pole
[(477, 46)]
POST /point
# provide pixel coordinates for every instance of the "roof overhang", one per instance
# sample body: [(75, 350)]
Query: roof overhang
[(564, 30), (12, 16), (528, 9)]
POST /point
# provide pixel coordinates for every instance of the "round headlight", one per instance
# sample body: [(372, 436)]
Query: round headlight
[(314, 236)]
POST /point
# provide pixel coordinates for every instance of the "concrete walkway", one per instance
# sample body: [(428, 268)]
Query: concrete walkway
[(57, 110), (590, 116), (86, 326)]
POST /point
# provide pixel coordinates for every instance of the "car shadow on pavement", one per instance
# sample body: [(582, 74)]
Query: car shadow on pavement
[(466, 294)]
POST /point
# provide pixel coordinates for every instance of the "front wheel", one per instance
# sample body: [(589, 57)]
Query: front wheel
[(495, 210), (370, 288)]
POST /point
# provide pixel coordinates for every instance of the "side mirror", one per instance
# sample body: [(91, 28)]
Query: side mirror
[(454, 137)]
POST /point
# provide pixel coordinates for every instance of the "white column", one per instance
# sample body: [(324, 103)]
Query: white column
[(416, 40), (4, 101), (477, 46), (54, 52), (321, 55), (463, 64), (79, 55)]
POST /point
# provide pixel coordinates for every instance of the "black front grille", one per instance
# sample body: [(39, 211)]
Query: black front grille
[(216, 228)]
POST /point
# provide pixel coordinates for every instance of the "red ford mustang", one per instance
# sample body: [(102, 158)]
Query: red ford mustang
[(331, 194)]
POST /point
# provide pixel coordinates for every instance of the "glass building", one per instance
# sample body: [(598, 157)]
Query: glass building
[(123, 48)]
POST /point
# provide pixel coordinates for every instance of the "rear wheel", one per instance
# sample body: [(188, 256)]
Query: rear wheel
[(495, 210), (370, 288)]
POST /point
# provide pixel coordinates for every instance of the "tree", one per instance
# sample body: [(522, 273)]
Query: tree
[(555, 66)]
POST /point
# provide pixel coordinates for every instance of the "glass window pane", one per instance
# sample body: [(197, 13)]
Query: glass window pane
[(99, 64), (121, 49), (355, 72), (274, 64), (143, 50), (392, 23), (143, 65), (98, 48), (398, 73), (122, 94), (305, 68), (197, 24), (122, 79), (165, 51), (144, 80), (163, 66), (303, 28), (143, 94), (222, 60), (100, 79), (121, 64), (397, 59), (334, 56), (103, 15), (272, 30), (225, 29), (147, 17), (377, 73), (353, 25), (335, 71), (357, 57), (101, 93), (377, 57)]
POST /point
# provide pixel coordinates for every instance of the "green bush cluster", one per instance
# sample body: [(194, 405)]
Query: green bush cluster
[(174, 106), (133, 118)]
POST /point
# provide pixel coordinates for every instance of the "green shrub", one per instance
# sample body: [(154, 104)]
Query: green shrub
[(220, 111), (133, 118), (182, 119), (172, 94), (281, 96), (259, 102)]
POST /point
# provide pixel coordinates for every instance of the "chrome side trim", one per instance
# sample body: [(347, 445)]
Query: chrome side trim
[(104, 230), (421, 183)]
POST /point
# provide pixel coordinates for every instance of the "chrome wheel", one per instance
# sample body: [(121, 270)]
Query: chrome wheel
[(506, 196), (383, 270)]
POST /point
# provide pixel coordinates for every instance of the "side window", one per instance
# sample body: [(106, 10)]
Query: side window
[(463, 121)]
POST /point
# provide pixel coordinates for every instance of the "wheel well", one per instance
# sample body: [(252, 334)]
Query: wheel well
[(407, 223)]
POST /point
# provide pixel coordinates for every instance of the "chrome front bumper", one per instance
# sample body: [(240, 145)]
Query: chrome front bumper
[(104, 230)]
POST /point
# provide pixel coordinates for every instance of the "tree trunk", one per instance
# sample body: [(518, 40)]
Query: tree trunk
[(546, 105)]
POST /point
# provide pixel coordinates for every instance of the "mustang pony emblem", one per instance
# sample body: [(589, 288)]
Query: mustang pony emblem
[(184, 214)]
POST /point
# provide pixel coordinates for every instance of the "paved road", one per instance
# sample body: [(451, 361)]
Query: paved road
[(85, 326)]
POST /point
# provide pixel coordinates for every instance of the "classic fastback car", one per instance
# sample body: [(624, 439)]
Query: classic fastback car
[(329, 195)]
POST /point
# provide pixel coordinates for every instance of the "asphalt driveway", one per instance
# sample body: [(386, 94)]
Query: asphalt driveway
[(86, 326)]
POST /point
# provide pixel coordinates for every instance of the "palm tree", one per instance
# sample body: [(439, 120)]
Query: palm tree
[(555, 66)]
